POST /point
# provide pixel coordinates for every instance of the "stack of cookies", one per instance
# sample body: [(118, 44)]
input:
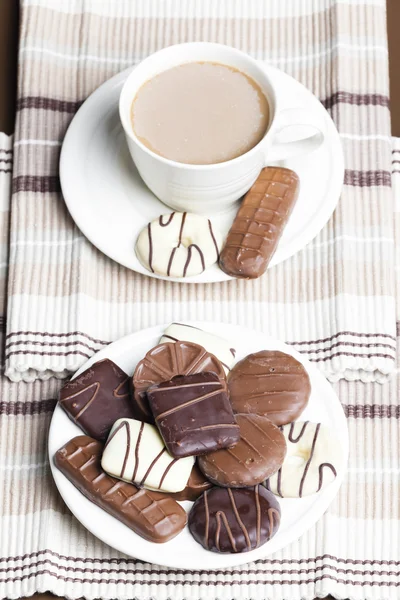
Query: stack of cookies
[(191, 425)]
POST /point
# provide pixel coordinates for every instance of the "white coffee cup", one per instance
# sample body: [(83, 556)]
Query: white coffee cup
[(213, 188)]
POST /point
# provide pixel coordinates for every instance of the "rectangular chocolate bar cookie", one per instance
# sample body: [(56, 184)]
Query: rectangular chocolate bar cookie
[(152, 515), (259, 223)]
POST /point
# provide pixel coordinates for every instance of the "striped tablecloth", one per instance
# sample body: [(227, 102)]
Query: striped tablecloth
[(354, 550), (334, 300)]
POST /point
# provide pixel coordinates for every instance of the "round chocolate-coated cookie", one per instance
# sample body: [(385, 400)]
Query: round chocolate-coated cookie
[(234, 520), (165, 361), (260, 450), (270, 383)]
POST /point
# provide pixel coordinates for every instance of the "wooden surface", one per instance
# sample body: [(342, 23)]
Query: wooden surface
[(8, 63), (8, 76), (393, 19)]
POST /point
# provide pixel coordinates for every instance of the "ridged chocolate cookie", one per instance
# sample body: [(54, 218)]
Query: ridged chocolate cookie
[(165, 361)]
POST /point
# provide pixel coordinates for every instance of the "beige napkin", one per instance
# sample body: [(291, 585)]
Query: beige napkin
[(353, 552), (334, 300)]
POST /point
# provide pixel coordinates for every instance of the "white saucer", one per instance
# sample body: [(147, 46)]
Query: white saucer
[(110, 203), (298, 515)]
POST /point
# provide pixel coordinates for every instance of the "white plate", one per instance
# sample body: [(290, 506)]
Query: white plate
[(110, 203), (183, 552)]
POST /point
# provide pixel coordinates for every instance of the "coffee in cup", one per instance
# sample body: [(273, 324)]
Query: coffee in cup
[(200, 113), (206, 186)]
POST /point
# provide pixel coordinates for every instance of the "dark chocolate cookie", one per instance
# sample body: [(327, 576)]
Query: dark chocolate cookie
[(234, 520), (97, 398), (193, 414)]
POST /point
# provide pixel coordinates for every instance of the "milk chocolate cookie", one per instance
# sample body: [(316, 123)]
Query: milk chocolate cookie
[(314, 458), (234, 520), (270, 383), (164, 362), (259, 224), (153, 516), (196, 485), (261, 449), (97, 398), (193, 414)]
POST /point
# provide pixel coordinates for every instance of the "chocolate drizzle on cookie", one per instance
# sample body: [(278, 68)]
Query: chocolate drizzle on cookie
[(169, 219), (193, 414), (166, 220), (96, 398), (234, 520), (189, 258), (321, 474), (124, 425), (308, 476), (213, 238), (150, 247), (291, 431)]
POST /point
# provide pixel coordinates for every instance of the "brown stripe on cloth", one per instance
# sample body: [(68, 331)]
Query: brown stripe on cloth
[(53, 104), (43, 353), (56, 344), (367, 178), (175, 572), (356, 99), (44, 334), (208, 583), (29, 352), (51, 183), (41, 102), (372, 411), (58, 335), (351, 344), (92, 350), (340, 333), (23, 408), (370, 355), (134, 561), (36, 183)]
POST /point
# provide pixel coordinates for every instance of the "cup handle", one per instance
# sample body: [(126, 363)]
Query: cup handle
[(297, 131)]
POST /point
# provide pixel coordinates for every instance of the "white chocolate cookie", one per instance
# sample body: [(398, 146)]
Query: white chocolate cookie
[(210, 342), (313, 459), (135, 452), (178, 245)]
